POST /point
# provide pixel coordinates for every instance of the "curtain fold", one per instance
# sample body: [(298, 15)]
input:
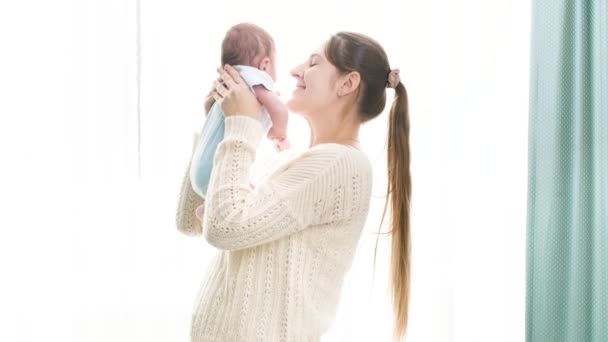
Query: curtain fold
[(567, 242)]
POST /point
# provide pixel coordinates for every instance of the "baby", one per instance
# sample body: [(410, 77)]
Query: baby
[(251, 51)]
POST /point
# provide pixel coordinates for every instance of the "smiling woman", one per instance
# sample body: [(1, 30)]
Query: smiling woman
[(311, 208)]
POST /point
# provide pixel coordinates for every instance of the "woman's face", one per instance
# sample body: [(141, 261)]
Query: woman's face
[(315, 84)]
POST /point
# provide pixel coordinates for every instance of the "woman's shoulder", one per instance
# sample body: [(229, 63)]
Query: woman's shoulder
[(318, 158), (344, 165), (346, 152), (342, 158), (320, 164)]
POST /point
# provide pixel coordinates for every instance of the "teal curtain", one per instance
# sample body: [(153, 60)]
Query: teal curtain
[(567, 241)]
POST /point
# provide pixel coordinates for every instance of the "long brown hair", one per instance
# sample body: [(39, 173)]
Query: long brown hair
[(348, 52)]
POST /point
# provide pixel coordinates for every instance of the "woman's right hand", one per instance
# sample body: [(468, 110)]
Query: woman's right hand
[(234, 95)]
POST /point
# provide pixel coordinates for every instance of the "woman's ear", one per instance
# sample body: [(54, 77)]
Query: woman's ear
[(350, 83)]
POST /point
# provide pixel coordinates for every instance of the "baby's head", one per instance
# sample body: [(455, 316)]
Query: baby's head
[(248, 44)]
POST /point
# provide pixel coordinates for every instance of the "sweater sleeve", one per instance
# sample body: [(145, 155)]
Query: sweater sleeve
[(187, 202), (289, 200)]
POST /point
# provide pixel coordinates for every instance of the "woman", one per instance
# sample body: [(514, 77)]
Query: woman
[(286, 244)]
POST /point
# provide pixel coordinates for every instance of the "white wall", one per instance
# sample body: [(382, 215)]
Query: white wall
[(88, 248)]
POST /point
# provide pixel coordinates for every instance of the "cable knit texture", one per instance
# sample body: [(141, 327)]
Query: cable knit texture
[(188, 200), (285, 246)]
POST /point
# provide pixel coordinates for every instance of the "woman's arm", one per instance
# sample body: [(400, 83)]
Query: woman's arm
[(185, 218), (309, 190), (188, 200)]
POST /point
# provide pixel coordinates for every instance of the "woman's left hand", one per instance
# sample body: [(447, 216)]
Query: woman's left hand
[(234, 95)]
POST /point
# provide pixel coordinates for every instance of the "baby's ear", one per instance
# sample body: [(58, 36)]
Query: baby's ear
[(265, 64)]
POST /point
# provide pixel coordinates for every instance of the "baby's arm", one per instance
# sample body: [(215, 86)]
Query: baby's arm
[(276, 109)]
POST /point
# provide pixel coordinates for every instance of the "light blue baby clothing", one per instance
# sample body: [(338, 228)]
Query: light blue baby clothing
[(213, 130)]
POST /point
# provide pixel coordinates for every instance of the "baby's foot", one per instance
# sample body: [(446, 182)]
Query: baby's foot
[(199, 211), (281, 144)]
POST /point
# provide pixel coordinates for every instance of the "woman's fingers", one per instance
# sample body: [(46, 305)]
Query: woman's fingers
[(234, 74), (217, 97), (234, 96), (228, 81), (230, 76), (220, 88)]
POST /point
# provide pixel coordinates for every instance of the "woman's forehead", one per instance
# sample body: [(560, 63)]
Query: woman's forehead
[(319, 52)]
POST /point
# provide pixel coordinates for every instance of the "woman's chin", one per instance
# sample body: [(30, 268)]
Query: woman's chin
[(294, 106)]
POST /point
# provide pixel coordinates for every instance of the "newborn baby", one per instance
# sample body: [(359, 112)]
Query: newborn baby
[(251, 51)]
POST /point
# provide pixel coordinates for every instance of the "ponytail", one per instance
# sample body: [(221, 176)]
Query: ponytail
[(400, 191), (351, 51)]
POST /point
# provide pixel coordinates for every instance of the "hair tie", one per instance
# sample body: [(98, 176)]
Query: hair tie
[(393, 79)]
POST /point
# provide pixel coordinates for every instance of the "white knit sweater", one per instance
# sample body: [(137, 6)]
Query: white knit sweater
[(285, 246)]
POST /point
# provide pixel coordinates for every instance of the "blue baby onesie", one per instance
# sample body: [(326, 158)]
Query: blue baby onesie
[(213, 131)]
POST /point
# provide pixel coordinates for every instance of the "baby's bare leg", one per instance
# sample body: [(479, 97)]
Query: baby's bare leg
[(278, 132), (279, 125)]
